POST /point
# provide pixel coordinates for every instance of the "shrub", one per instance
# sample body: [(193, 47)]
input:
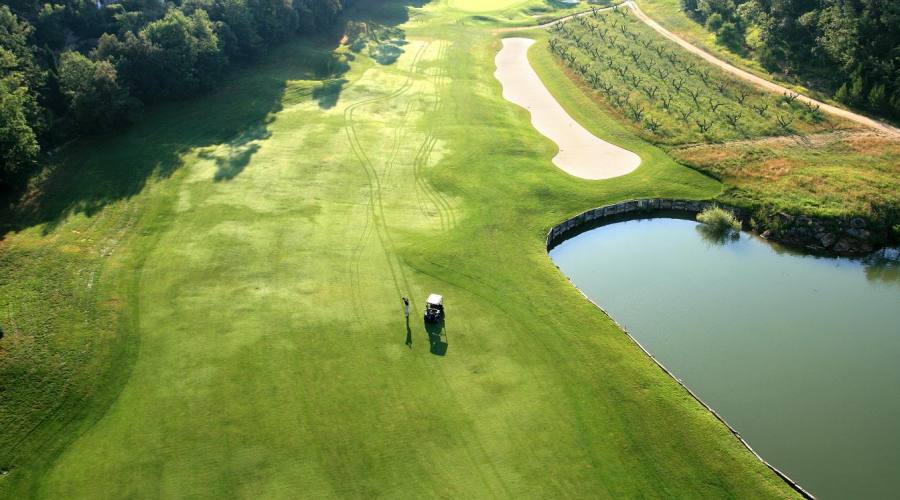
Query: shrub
[(718, 219)]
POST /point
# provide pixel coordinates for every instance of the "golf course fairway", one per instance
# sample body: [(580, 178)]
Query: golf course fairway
[(218, 294)]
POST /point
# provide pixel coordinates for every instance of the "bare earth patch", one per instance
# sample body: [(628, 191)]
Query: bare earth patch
[(581, 153)]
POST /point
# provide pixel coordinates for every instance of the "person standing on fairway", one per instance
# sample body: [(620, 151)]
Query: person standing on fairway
[(408, 331)]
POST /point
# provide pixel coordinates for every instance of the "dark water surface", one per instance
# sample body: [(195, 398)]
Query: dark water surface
[(800, 354)]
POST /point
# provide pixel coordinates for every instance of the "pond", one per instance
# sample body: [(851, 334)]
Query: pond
[(800, 354)]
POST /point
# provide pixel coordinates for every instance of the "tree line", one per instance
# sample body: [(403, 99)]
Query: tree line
[(87, 66), (850, 48)]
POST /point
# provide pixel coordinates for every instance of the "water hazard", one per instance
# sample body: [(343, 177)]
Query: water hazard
[(800, 354)]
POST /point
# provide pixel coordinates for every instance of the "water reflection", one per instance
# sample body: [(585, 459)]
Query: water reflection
[(798, 352), (717, 237)]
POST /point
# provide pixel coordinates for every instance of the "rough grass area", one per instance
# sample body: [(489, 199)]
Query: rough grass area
[(673, 97), (830, 175), (210, 306)]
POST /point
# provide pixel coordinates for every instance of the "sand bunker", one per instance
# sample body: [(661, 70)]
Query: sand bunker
[(581, 153)]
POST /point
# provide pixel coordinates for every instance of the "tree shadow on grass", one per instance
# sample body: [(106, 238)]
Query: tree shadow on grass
[(327, 94), (387, 53), (93, 172), (232, 158)]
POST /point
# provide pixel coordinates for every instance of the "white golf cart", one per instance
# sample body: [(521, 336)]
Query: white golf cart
[(434, 308)]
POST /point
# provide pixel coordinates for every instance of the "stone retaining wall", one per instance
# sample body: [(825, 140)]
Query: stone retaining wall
[(595, 217)]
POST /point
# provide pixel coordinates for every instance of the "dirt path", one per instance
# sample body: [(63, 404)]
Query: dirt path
[(581, 153)]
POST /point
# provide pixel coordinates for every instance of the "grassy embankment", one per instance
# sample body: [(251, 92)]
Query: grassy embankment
[(208, 304), (823, 166)]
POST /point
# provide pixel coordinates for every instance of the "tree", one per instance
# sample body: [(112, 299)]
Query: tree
[(839, 36), (714, 22), (276, 19), (18, 141), (876, 97), (21, 117), (689, 7), (729, 35), (175, 56), (94, 99), (51, 29), (14, 35), (236, 14), (857, 91), (843, 94)]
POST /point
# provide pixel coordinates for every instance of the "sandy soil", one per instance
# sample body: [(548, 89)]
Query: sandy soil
[(581, 153)]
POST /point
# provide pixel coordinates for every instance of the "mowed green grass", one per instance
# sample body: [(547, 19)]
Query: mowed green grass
[(242, 335)]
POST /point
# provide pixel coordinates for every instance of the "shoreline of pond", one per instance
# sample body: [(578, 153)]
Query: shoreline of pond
[(654, 208), (850, 237)]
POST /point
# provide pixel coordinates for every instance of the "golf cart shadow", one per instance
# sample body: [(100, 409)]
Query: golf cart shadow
[(436, 335)]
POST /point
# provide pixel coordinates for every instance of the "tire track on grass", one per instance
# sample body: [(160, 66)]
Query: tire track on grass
[(440, 84), (379, 226), (420, 188), (372, 222), (442, 206)]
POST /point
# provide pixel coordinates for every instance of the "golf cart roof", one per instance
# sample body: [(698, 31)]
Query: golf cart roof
[(435, 299)]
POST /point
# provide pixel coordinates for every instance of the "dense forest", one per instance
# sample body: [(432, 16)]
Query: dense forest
[(849, 48), (86, 66)]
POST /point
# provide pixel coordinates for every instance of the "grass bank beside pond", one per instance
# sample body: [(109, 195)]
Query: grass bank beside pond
[(827, 175), (213, 308)]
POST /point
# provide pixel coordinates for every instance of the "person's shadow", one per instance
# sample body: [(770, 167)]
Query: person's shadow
[(437, 335), (408, 334)]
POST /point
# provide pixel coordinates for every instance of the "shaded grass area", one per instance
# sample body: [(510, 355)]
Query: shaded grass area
[(80, 182), (245, 335), (72, 263), (672, 96), (830, 175), (519, 13)]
